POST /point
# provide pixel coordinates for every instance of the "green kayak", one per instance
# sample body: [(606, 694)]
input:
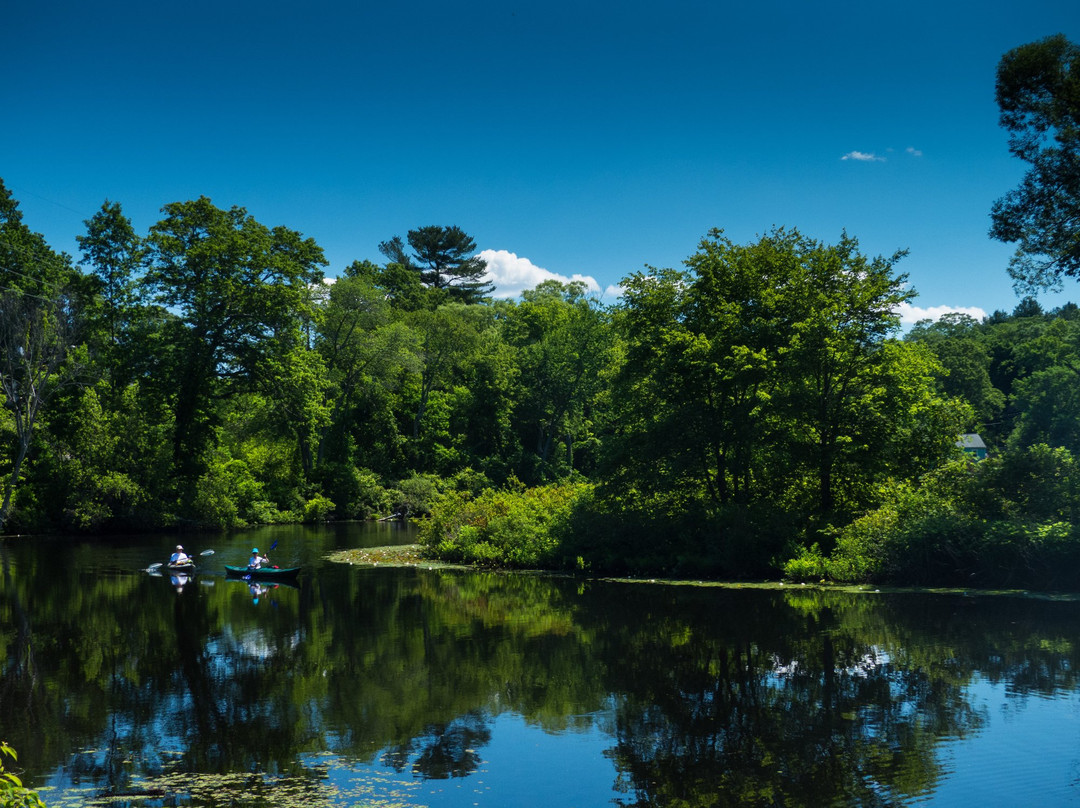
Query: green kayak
[(262, 573)]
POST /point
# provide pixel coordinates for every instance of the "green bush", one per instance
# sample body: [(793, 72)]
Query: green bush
[(808, 565), (417, 495), (317, 509), (512, 527), (227, 493), (1006, 521)]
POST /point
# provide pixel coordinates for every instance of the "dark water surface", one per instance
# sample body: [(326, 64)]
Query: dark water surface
[(421, 687)]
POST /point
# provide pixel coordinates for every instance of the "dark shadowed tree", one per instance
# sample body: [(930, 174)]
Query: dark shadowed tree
[(444, 259), (766, 374), (1038, 92), (37, 338), (39, 312)]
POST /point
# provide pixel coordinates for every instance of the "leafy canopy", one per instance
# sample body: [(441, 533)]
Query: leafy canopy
[(1038, 92)]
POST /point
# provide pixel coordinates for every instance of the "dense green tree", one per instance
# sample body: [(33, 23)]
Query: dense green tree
[(398, 283), (765, 373), (241, 292), (485, 395), (367, 350), (837, 309), (566, 355), (40, 317), (697, 371), (113, 460), (1038, 92), (959, 345), (447, 337), (114, 252), (1044, 396)]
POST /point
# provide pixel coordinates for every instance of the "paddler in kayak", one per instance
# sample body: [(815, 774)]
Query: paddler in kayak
[(256, 560), (179, 557)]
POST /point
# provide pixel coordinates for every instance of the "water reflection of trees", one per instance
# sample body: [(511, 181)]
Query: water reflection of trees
[(798, 710), (719, 696), (819, 698)]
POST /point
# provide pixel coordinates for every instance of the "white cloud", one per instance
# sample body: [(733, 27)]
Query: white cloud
[(513, 274), (863, 157), (914, 152), (909, 315)]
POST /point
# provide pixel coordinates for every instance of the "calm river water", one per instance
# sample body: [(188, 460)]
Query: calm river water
[(375, 686)]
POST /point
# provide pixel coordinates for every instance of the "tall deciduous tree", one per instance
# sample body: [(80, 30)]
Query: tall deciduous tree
[(241, 292), (765, 373), (114, 252), (838, 306), (447, 338), (39, 316), (1038, 92), (366, 352), (566, 355), (37, 336)]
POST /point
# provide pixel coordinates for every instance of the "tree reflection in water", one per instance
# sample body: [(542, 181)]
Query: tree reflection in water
[(708, 695)]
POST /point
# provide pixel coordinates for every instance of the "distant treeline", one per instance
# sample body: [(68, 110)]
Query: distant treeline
[(753, 407)]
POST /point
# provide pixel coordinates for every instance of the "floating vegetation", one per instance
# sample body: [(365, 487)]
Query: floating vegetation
[(402, 555), (370, 789)]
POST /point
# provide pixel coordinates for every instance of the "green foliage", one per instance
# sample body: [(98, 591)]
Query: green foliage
[(963, 351), (317, 509), (566, 353), (108, 479), (12, 792), (765, 376), (512, 527), (360, 492), (808, 565), (227, 495), (1038, 92), (670, 533), (417, 495), (1006, 521)]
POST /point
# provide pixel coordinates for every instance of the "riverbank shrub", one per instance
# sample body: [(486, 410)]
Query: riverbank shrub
[(513, 527), (675, 536), (357, 493), (317, 509), (1008, 521)]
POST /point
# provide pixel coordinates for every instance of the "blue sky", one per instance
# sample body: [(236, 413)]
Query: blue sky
[(569, 139)]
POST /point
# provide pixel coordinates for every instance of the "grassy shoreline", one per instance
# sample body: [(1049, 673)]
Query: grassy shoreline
[(412, 555)]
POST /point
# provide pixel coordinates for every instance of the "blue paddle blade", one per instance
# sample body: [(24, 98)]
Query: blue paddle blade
[(156, 566), (207, 552)]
